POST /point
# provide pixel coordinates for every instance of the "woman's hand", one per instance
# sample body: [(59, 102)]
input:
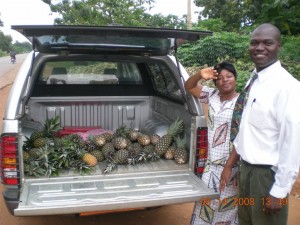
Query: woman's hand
[(225, 176), (226, 173), (209, 73)]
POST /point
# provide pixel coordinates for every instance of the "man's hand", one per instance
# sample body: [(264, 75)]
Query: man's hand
[(272, 205)]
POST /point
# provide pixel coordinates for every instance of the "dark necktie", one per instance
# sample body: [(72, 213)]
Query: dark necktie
[(238, 109)]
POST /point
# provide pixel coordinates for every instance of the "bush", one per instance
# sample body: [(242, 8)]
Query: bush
[(234, 48), (290, 50), (213, 48), (2, 53)]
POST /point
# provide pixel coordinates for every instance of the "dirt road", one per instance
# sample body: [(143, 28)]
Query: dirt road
[(166, 215)]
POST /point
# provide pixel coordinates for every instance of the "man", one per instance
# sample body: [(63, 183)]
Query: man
[(12, 55), (268, 138)]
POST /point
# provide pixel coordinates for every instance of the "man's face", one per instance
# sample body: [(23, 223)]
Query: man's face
[(264, 48)]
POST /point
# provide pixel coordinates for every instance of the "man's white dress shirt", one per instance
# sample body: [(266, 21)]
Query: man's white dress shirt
[(269, 132)]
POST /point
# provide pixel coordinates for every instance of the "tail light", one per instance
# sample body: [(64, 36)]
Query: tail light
[(9, 160), (201, 150)]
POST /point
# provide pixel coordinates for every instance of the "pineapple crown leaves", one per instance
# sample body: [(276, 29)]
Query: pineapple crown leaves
[(175, 128), (122, 131), (110, 167), (153, 156), (52, 170), (28, 144), (33, 168), (143, 157), (110, 157), (132, 160), (82, 168), (148, 156), (180, 142), (91, 138), (44, 154), (51, 126)]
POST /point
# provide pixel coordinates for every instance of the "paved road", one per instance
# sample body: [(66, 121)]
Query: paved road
[(8, 70), (166, 215)]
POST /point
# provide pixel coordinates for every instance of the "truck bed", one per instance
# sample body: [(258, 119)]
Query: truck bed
[(144, 113)]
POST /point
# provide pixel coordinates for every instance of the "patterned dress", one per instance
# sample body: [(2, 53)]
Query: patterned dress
[(222, 211)]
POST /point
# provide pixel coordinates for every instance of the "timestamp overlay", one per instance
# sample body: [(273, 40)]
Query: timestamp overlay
[(245, 201)]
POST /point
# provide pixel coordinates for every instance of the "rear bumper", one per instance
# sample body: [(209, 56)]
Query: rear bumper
[(11, 199)]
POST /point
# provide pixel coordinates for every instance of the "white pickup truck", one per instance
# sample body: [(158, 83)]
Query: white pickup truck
[(95, 78)]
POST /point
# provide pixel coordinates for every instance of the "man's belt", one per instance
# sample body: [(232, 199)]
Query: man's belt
[(245, 163)]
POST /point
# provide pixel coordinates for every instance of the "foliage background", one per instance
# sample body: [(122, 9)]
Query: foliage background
[(231, 22), (233, 47)]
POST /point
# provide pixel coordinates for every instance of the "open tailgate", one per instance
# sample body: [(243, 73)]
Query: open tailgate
[(113, 192)]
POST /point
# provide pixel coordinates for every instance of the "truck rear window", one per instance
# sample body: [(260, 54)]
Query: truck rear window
[(89, 72)]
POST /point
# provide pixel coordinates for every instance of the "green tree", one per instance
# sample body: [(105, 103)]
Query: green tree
[(285, 14), (230, 12), (5, 42), (22, 47), (244, 13), (100, 12), (169, 21), (215, 25), (1, 22)]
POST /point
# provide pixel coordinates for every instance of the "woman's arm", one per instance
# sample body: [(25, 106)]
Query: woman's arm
[(193, 86), (225, 176)]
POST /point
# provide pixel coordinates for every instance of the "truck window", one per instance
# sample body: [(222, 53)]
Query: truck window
[(89, 72), (163, 81)]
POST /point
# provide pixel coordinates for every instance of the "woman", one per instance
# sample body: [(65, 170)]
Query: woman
[(221, 101)]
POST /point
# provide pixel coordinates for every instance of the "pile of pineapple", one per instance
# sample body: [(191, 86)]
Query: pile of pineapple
[(45, 154)]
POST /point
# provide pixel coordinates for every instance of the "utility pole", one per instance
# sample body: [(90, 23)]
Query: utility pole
[(189, 15)]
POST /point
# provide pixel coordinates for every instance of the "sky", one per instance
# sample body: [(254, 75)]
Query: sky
[(36, 12)]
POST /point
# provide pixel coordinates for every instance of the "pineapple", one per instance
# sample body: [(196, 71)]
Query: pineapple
[(58, 142), (120, 142), (181, 155), (90, 146), (129, 143), (165, 141), (99, 140), (36, 134), (40, 142), (121, 156), (89, 159), (133, 135), (148, 149), (76, 139), (149, 153), (144, 139), (170, 152), (154, 138), (134, 149), (26, 156), (51, 126), (108, 149), (108, 136), (98, 154)]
